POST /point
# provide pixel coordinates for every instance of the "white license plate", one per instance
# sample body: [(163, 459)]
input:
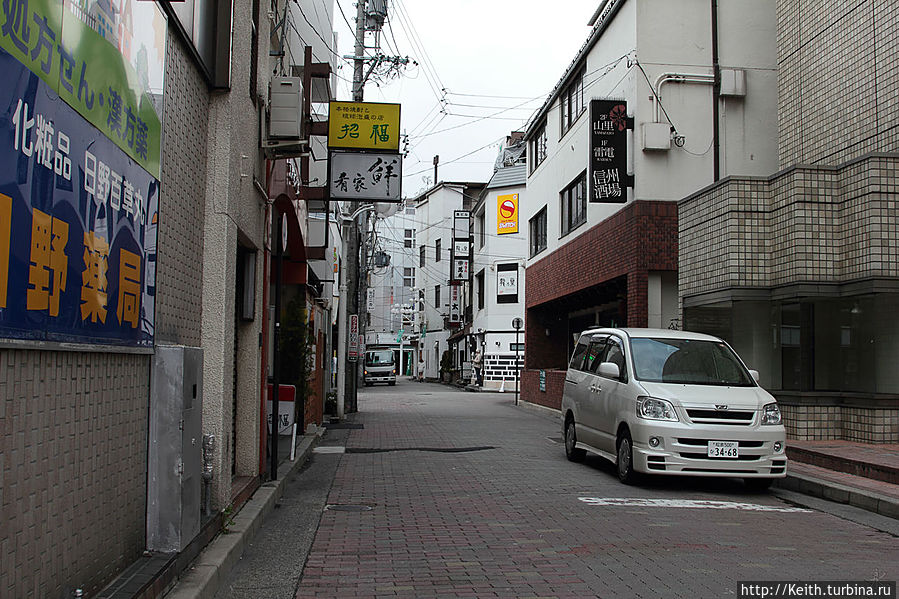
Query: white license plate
[(724, 449)]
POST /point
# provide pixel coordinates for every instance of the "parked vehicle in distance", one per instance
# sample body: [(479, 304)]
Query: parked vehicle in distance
[(379, 367), (657, 401)]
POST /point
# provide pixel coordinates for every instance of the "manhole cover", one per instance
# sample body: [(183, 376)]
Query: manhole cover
[(348, 508)]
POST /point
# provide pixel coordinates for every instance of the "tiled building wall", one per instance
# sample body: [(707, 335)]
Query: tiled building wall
[(807, 224), (73, 469), (180, 255), (837, 422), (838, 83)]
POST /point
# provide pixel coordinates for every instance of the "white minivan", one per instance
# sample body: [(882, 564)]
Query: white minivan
[(657, 401)]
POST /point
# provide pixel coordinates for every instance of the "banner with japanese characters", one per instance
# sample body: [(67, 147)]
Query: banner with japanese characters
[(104, 60), (365, 176), (608, 178), (364, 126), (77, 223)]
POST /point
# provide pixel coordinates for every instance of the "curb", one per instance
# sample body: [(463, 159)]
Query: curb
[(838, 493), (205, 575)]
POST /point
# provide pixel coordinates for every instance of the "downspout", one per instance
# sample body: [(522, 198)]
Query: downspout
[(716, 93)]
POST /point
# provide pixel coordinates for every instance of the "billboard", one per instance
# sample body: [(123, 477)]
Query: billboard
[(87, 57), (507, 214), (364, 126), (77, 223)]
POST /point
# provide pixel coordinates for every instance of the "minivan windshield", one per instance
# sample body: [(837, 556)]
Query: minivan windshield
[(688, 361), (379, 358)]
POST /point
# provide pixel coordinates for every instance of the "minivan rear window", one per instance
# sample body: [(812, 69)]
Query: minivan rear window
[(688, 361)]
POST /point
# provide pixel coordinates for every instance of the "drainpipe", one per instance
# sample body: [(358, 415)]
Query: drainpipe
[(716, 93)]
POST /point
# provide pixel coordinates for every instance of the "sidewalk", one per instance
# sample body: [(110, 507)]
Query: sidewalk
[(859, 474)]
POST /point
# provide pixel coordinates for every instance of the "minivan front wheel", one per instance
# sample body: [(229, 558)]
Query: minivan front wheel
[(572, 452), (625, 459)]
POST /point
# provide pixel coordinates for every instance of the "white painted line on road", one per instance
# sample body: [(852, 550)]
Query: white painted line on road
[(688, 503), (329, 449)]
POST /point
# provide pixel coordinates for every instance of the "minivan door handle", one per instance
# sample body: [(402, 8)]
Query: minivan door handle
[(595, 388)]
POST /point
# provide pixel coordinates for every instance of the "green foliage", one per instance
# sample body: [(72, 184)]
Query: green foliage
[(297, 352)]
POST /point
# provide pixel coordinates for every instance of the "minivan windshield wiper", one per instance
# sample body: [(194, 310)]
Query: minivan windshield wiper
[(688, 361)]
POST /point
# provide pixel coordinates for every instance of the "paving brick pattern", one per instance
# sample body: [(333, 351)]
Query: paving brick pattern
[(507, 522)]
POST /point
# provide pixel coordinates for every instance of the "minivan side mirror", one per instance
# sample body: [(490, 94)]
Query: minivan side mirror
[(609, 370), (755, 375)]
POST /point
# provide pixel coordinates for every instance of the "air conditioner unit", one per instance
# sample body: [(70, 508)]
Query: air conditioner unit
[(284, 135), (286, 107)]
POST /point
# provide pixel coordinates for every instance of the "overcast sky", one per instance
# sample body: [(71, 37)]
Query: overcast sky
[(495, 58)]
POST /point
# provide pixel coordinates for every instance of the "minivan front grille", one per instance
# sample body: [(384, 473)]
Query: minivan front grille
[(739, 417)]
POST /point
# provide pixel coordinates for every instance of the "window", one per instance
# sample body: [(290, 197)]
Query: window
[(537, 226), (437, 296), (408, 277), (572, 101), (421, 256), (409, 238), (480, 229), (594, 354), (538, 147), (437, 251), (518, 348), (615, 355), (410, 211), (574, 204), (479, 279)]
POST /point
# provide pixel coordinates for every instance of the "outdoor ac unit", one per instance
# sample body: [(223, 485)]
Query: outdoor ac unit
[(285, 116), (733, 83)]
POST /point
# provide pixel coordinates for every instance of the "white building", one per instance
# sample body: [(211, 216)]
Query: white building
[(497, 294), (692, 90)]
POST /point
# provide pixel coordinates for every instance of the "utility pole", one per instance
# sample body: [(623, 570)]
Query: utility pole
[(351, 234)]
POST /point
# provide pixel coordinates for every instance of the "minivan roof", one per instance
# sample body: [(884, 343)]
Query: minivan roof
[(657, 333)]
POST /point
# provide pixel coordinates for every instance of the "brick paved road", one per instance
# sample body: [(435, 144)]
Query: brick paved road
[(508, 521)]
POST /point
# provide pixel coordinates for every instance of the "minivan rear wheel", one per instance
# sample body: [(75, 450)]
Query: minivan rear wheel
[(572, 452), (625, 459)]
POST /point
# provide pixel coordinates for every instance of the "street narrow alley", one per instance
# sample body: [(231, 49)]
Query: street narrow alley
[(435, 492)]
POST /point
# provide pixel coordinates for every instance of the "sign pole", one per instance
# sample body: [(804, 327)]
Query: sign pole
[(516, 324)]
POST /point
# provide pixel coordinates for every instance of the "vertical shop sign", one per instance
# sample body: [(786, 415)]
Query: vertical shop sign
[(608, 176)]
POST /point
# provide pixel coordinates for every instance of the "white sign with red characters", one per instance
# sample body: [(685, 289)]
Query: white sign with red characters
[(507, 214)]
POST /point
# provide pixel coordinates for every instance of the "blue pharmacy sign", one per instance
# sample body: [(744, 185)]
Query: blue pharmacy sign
[(77, 224)]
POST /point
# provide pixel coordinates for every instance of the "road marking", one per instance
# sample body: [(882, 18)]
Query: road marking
[(329, 449), (688, 503)]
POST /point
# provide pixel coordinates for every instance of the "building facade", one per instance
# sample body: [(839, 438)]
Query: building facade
[(602, 249), (497, 287), (147, 306), (799, 268), (434, 210)]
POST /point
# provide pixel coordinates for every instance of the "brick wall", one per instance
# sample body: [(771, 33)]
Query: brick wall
[(639, 238), (642, 236), (73, 469), (555, 384)]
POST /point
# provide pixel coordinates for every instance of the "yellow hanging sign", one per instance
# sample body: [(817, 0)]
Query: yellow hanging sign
[(364, 125)]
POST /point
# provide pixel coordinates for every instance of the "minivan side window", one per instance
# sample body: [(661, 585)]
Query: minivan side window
[(615, 355), (577, 358), (594, 354)]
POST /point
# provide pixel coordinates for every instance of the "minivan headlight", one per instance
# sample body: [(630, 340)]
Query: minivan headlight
[(650, 408), (771, 414)]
